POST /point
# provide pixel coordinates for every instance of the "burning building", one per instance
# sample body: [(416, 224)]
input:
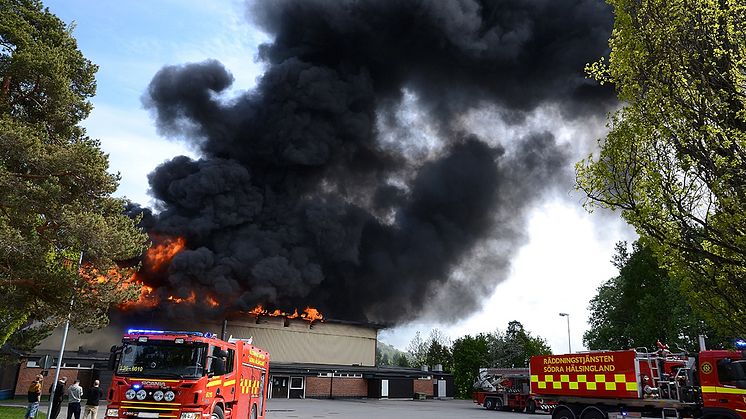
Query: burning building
[(348, 181)]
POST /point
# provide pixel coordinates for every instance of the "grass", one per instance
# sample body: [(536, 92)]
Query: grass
[(13, 412)]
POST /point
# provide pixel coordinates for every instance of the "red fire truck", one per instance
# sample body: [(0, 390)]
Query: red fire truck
[(632, 383), (507, 389), (186, 375)]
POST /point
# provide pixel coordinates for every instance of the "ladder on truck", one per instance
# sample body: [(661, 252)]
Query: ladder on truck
[(652, 360), (671, 388)]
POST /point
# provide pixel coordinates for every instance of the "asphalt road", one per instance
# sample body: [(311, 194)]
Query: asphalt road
[(389, 409), (365, 409)]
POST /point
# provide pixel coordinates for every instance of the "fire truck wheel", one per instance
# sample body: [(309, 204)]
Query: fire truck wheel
[(253, 412), (563, 413), (531, 407), (499, 404), (489, 403), (217, 413), (593, 413)]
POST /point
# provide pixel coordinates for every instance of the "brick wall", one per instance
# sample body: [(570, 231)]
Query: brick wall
[(423, 386), (26, 376), (318, 387)]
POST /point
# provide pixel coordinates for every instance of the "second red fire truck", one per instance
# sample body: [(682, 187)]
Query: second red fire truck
[(631, 383), (187, 375)]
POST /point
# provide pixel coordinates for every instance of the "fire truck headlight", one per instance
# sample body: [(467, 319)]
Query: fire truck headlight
[(130, 394), (112, 413), (169, 396), (142, 394), (190, 415), (158, 396)]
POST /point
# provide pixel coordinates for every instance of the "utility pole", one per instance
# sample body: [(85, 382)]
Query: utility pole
[(569, 346), (64, 338)]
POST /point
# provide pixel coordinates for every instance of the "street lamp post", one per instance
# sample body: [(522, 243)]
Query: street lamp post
[(569, 346), (64, 340)]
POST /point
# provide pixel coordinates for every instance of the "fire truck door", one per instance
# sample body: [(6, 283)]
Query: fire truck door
[(262, 396), (243, 392)]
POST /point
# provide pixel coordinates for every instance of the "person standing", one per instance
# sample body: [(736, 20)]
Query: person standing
[(59, 393), (34, 395), (74, 394), (94, 397)]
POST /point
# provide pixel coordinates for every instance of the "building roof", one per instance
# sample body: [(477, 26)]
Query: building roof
[(366, 371)]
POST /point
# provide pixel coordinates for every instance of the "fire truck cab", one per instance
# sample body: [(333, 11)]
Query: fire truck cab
[(186, 375)]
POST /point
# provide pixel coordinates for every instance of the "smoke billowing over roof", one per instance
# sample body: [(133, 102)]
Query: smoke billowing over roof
[(313, 190)]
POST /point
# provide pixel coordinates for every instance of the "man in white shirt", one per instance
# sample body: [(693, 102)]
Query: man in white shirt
[(75, 392)]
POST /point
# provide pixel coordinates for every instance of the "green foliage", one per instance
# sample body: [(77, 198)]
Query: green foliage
[(673, 161), (643, 305), (55, 191), (470, 353), (435, 350), (387, 354), (510, 349), (401, 360), (514, 348)]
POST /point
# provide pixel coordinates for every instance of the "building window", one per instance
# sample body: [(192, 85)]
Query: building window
[(32, 364), (296, 382)]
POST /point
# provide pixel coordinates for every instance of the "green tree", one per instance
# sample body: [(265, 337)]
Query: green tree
[(470, 353), (417, 350), (387, 354), (673, 161), (401, 360), (515, 347), (55, 191), (435, 350), (642, 305)]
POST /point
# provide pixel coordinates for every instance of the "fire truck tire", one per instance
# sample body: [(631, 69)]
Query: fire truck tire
[(592, 412), (563, 413), (217, 412), (489, 403), (499, 404), (253, 412), (531, 407)]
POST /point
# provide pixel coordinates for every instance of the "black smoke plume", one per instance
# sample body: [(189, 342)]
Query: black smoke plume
[(298, 201)]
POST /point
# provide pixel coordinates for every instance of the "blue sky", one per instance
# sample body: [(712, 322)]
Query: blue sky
[(131, 41), (568, 251)]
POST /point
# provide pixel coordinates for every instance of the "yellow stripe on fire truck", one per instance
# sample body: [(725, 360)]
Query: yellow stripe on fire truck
[(585, 382), (229, 383), (214, 383), (722, 390), (249, 386), (245, 383)]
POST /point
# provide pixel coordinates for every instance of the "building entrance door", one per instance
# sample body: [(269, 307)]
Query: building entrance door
[(280, 387)]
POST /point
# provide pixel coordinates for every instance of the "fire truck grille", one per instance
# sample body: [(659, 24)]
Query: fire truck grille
[(152, 410)]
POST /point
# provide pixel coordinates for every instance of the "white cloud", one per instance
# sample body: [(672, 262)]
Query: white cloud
[(558, 270), (134, 149)]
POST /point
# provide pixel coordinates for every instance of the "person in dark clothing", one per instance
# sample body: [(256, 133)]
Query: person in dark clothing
[(59, 393), (94, 397)]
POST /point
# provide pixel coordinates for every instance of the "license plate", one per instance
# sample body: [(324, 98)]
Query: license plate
[(147, 415)]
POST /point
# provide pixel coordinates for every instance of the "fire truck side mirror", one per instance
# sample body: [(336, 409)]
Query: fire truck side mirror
[(113, 355)]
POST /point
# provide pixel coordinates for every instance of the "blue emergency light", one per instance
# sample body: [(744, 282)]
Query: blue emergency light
[(162, 332), (740, 344), (154, 332), (136, 386)]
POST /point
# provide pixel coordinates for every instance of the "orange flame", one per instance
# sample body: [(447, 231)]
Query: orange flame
[(310, 314), (163, 252), (177, 300), (212, 302)]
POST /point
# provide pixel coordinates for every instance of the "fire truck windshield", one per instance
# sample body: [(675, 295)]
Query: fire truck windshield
[(155, 359)]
